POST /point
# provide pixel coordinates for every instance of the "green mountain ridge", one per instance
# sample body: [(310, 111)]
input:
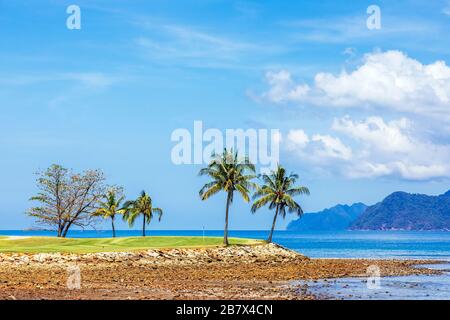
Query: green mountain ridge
[(398, 211), (406, 211)]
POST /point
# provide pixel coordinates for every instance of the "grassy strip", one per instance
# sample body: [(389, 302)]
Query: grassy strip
[(91, 245)]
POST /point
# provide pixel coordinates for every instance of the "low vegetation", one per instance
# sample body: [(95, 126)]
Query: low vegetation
[(91, 245)]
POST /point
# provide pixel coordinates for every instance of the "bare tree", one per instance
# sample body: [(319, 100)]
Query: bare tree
[(66, 198)]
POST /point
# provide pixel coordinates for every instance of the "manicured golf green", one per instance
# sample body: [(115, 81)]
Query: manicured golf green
[(90, 245)]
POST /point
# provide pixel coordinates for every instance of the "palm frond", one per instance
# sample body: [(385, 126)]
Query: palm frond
[(210, 191), (243, 192), (298, 191), (206, 187), (159, 212), (262, 202), (282, 190)]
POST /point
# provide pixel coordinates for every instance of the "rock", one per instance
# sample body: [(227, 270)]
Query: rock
[(264, 253)]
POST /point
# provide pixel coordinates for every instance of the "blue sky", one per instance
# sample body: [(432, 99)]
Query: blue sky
[(362, 112)]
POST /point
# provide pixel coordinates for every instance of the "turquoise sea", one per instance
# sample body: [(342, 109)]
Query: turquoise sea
[(342, 244)]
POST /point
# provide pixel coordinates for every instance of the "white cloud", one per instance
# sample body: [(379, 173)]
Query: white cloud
[(380, 149), (283, 89), (319, 148), (389, 79), (331, 147), (381, 136), (298, 138)]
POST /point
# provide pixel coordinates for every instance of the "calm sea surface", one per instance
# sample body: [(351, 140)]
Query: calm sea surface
[(343, 244)]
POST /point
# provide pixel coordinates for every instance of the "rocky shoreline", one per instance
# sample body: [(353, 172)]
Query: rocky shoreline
[(237, 272), (182, 256)]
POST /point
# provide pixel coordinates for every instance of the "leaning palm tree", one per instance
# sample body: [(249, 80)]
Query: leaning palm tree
[(278, 191), (110, 207), (229, 173), (141, 206)]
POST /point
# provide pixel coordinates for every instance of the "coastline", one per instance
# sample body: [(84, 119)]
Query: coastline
[(265, 271)]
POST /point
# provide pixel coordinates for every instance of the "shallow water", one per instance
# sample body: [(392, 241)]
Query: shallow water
[(429, 287)]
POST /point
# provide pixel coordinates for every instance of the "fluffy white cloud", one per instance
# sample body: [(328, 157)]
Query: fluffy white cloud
[(380, 149), (385, 79), (331, 147), (377, 134), (283, 88), (373, 147), (321, 149), (298, 138)]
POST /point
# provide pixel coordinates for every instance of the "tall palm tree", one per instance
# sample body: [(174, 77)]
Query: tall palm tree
[(229, 173), (278, 191), (110, 207), (141, 206)]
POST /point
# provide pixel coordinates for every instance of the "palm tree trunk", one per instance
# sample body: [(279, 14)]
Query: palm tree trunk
[(269, 240), (113, 229), (225, 235), (143, 227)]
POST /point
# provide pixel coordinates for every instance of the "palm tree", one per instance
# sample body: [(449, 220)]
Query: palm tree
[(228, 173), (278, 191), (110, 207), (141, 206)]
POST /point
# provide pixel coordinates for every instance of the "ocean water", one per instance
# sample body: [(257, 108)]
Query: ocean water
[(342, 244)]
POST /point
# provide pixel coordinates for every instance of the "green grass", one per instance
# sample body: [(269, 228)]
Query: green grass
[(90, 245)]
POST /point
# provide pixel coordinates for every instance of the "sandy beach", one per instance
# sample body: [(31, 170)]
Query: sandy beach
[(237, 272)]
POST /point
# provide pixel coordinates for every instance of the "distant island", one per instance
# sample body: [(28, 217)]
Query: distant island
[(339, 217), (398, 211), (405, 211)]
